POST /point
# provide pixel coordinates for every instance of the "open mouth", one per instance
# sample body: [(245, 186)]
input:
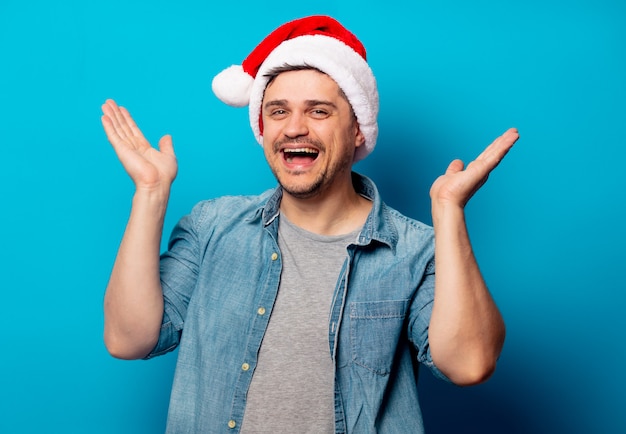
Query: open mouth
[(300, 155)]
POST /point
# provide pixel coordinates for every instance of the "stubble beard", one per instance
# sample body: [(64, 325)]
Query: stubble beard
[(322, 180), (304, 191)]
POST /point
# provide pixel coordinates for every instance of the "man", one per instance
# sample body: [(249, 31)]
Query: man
[(307, 308)]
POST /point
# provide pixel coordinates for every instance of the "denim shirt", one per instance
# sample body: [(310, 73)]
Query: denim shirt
[(220, 279)]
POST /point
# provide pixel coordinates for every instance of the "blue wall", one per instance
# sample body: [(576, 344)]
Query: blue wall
[(547, 228)]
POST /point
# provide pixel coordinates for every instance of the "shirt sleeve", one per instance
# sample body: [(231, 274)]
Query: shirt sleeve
[(179, 267), (420, 313)]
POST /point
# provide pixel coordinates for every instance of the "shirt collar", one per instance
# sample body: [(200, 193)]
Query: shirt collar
[(378, 226)]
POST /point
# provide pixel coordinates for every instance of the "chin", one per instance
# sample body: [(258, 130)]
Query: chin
[(302, 191)]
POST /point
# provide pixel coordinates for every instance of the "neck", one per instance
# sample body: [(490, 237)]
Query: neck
[(335, 212)]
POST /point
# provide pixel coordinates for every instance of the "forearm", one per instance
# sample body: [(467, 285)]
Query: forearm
[(133, 303), (466, 330)]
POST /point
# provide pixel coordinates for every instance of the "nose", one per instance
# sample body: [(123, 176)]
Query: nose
[(296, 126)]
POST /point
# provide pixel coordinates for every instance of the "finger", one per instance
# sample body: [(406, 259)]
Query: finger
[(122, 120), (130, 122), (109, 129), (500, 144), (496, 151), (116, 141), (110, 109), (118, 119)]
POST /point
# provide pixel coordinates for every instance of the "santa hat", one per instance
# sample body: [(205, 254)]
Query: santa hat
[(317, 41)]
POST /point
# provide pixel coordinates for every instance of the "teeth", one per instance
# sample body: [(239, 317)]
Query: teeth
[(301, 151)]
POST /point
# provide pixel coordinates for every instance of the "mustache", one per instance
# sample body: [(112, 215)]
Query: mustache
[(298, 140)]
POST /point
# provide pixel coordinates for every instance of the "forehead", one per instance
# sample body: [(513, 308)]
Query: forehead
[(304, 84)]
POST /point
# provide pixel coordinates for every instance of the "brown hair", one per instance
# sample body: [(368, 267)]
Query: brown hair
[(275, 72)]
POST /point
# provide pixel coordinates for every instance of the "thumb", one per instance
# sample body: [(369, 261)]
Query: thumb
[(455, 166), (165, 145)]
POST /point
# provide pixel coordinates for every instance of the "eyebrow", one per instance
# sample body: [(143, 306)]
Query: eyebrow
[(275, 103), (308, 103), (314, 102)]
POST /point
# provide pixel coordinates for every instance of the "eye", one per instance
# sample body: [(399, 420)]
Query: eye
[(319, 113), (278, 113)]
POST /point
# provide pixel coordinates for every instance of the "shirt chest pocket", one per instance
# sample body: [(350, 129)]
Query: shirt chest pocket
[(375, 329)]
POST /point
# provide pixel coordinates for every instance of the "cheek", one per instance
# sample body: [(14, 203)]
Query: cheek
[(271, 157), (269, 131), (266, 149)]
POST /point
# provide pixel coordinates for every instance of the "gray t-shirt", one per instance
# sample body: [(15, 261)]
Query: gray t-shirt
[(292, 389)]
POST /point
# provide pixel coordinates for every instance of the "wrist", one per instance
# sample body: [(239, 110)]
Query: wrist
[(153, 200), (446, 211)]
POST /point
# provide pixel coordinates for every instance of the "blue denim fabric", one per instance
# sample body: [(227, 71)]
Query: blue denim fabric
[(220, 278)]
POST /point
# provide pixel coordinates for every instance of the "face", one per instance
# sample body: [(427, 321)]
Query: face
[(309, 133)]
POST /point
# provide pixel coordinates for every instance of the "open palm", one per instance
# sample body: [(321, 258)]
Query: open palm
[(459, 183), (148, 167)]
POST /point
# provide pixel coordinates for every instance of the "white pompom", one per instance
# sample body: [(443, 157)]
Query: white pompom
[(232, 86)]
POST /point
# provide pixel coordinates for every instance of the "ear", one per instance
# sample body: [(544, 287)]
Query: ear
[(359, 136)]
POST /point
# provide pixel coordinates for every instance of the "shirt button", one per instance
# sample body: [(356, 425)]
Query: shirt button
[(232, 424), (261, 311), (245, 366), (274, 256)]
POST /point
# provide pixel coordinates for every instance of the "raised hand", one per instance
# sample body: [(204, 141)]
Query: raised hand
[(148, 167), (457, 186), (466, 330)]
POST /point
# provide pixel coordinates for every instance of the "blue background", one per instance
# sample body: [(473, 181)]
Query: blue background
[(547, 228)]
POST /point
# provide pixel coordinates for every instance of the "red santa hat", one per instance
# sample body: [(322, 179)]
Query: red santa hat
[(317, 41)]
